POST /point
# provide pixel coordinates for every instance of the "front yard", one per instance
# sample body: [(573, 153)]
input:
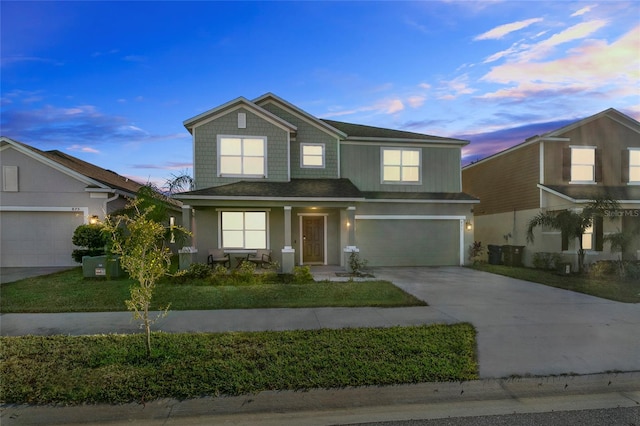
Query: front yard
[(611, 288), (68, 291)]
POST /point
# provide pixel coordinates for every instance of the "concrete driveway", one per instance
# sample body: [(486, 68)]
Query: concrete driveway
[(523, 328), (527, 328)]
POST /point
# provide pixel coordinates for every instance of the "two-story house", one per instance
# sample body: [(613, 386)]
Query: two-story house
[(596, 157), (268, 175)]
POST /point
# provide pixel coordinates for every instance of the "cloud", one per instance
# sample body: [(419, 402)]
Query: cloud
[(171, 165), (424, 86), (135, 58), (451, 89), (386, 106), (503, 30), (416, 101), (83, 148), (584, 10), (81, 126), (10, 60), (596, 65)]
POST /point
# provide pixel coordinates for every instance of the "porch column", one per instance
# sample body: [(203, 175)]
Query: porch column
[(351, 237), (188, 253), (288, 252)]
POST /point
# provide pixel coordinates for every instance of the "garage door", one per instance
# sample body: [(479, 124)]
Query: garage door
[(37, 238), (409, 242)]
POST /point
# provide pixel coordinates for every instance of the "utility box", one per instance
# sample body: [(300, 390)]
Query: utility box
[(101, 267), (512, 255)]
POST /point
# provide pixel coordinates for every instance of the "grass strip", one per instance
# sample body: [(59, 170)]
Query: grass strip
[(114, 369), (68, 291), (607, 288)]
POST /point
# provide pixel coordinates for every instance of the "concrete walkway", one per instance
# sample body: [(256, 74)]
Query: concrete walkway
[(523, 329)]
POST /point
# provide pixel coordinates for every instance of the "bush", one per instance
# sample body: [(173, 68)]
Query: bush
[(195, 271), (92, 238), (603, 269), (547, 261), (475, 251), (302, 275)]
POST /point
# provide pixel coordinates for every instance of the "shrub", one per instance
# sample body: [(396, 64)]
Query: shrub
[(356, 263), (548, 261), (199, 270), (603, 268), (302, 275), (93, 240), (244, 274)]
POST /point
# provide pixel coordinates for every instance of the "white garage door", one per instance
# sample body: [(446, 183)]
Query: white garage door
[(412, 242), (38, 238)]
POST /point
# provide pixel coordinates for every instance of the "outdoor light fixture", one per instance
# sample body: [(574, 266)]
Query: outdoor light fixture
[(468, 225), (348, 224), (93, 220)]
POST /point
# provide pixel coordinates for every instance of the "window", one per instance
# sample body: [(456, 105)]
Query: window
[(10, 178), (587, 238), (583, 162), (241, 156), (401, 165), (244, 230), (312, 155), (634, 165)]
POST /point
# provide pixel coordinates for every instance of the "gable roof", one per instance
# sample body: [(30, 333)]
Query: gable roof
[(585, 193), (554, 135), (240, 102), (94, 176), (371, 133)]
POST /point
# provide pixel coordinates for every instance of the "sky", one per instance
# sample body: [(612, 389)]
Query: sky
[(112, 82)]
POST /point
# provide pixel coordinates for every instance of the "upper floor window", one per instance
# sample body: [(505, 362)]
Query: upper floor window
[(583, 164), (242, 156), (634, 165), (401, 165), (312, 155), (244, 230)]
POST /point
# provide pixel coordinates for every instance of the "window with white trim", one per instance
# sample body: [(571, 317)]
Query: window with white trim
[(244, 229), (401, 165), (587, 238), (242, 156), (634, 165), (583, 164), (312, 155)]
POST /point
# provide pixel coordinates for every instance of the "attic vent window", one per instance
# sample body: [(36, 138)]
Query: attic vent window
[(10, 178), (242, 120)]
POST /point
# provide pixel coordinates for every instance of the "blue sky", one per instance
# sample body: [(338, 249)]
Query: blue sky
[(112, 82)]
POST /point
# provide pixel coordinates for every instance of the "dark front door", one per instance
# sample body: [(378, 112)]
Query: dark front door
[(313, 239)]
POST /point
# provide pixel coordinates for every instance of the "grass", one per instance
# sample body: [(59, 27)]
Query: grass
[(607, 288), (114, 368), (68, 291)]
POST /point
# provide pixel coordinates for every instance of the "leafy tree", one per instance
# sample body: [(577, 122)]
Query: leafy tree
[(573, 223), (140, 242), (91, 238)]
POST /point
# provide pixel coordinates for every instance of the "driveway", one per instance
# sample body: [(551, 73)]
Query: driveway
[(523, 328), (528, 328)]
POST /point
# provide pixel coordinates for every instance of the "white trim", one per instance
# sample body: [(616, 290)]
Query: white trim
[(324, 161), (338, 144), (404, 143), (400, 182), (300, 236), (243, 209), (242, 156), (83, 210), (277, 199), (629, 181), (402, 200), (267, 225), (408, 217)]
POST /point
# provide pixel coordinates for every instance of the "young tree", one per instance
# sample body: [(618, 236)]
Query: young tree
[(139, 241), (573, 223)]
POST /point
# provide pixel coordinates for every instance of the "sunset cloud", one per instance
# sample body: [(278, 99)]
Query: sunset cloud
[(503, 30), (584, 10)]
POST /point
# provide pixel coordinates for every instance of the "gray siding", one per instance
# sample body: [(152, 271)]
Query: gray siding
[(308, 133), (440, 169), (205, 157)]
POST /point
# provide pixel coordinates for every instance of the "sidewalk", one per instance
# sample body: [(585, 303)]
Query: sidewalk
[(355, 405)]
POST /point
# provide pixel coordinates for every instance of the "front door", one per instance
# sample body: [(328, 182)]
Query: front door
[(313, 239)]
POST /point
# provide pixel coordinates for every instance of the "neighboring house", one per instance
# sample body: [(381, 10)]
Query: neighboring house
[(270, 176), (598, 156), (45, 196)]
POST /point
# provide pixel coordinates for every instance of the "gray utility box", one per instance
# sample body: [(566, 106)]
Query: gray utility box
[(100, 266)]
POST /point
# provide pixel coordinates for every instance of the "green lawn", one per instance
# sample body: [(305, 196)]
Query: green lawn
[(114, 368), (607, 288), (68, 291)]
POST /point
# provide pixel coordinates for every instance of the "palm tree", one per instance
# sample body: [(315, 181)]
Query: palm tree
[(180, 182), (573, 223)]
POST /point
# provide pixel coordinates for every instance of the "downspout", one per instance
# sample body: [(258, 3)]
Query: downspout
[(107, 201)]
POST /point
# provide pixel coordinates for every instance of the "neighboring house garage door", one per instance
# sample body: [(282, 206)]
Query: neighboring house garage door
[(409, 242), (37, 238)]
